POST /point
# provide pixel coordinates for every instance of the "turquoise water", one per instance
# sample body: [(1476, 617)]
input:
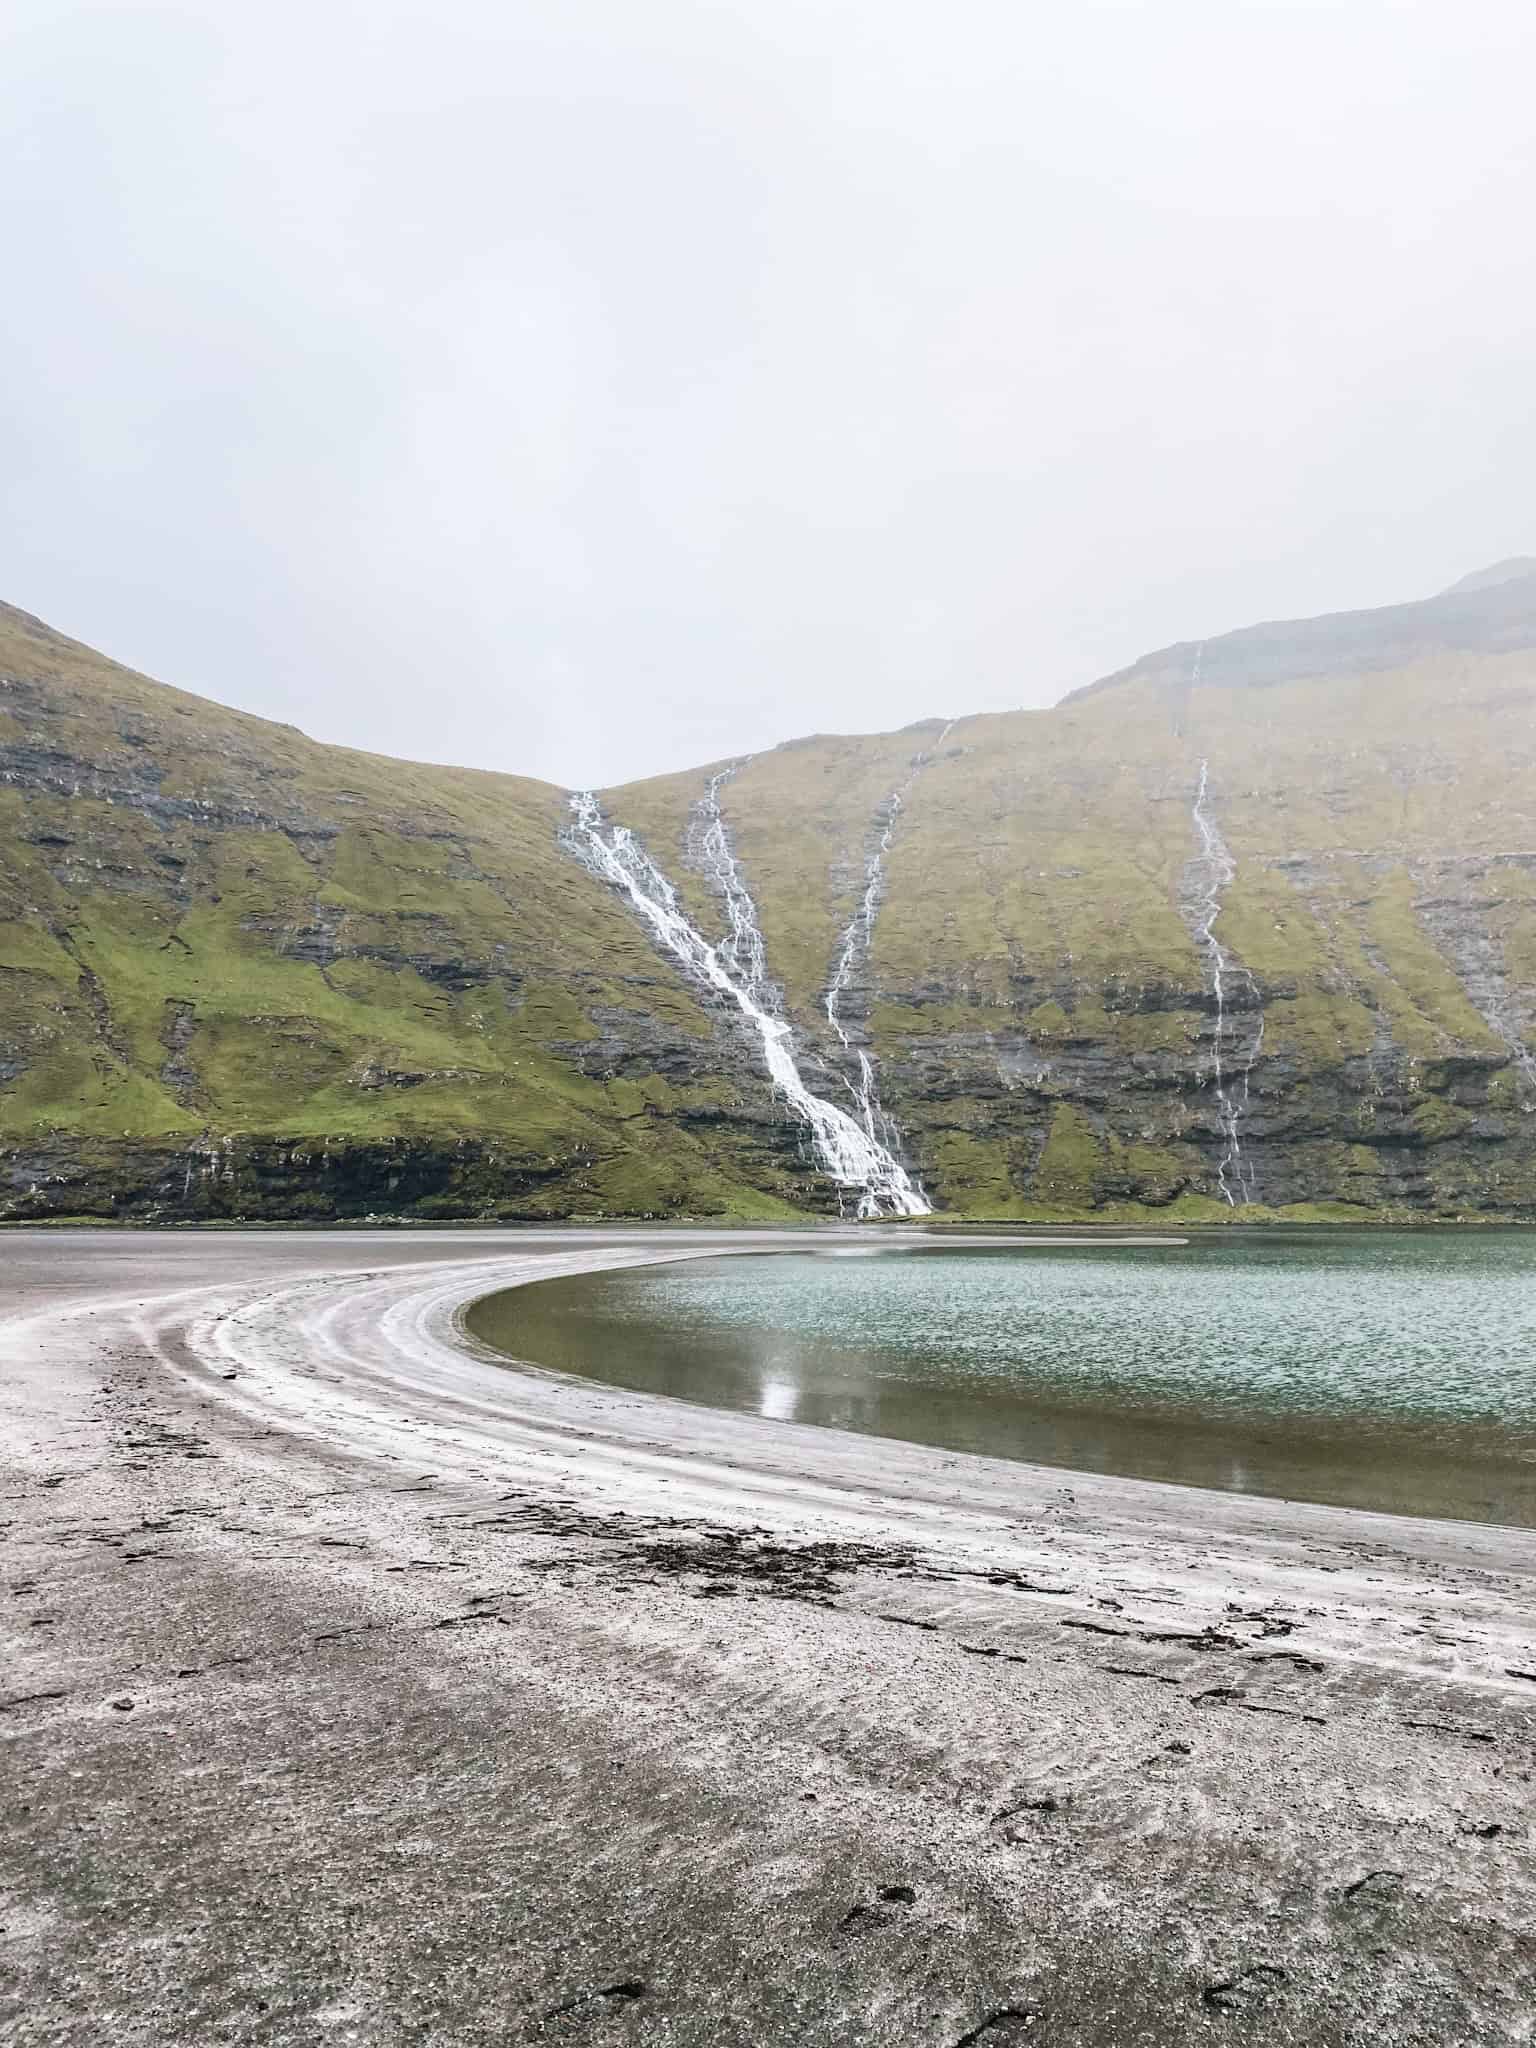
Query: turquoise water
[(1379, 1369)]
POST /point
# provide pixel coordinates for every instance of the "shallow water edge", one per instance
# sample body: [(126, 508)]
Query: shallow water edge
[(1390, 1372)]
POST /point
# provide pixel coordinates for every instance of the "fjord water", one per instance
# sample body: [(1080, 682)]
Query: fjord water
[(1380, 1369)]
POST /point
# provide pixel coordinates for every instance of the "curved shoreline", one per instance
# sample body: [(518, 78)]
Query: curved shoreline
[(392, 1334), (829, 1480), (1303, 1457), (581, 1647)]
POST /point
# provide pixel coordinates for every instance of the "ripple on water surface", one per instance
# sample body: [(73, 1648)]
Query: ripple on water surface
[(1380, 1369)]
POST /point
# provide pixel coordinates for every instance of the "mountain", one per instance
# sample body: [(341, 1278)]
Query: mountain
[(1248, 928), (242, 974)]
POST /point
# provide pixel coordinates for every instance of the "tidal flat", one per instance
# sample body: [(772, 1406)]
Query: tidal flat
[(361, 1687)]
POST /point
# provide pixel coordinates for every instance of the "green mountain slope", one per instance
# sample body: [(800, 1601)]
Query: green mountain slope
[(241, 973), (245, 974)]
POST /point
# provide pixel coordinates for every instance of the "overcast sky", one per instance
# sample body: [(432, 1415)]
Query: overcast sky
[(594, 387)]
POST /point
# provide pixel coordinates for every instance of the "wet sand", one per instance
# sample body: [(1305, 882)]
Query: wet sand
[(359, 1689)]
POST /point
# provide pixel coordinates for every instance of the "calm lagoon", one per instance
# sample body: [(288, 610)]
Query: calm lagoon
[(1378, 1369)]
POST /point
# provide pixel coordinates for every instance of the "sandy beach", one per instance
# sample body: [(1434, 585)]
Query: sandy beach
[(362, 1689)]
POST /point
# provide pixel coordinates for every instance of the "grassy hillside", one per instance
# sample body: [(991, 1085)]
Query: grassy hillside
[(1039, 1011), (243, 973), (229, 953)]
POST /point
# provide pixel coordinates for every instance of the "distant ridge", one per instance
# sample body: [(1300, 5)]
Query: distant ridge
[(1492, 611), (1509, 571)]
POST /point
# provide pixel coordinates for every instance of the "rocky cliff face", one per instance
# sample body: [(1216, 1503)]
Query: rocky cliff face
[(243, 974)]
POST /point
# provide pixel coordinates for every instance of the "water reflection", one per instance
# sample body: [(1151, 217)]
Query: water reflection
[(1390, 1370), (778, 1399)]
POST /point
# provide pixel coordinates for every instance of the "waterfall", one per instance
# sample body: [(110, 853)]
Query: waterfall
[(862, 1169), (1501, 1020), (1459, 927), (742, 949), (854, 949), (1217, 870)]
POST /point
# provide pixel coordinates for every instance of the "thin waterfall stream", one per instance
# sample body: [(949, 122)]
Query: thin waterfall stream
[(856, 940), (861, 1167), (742, 949), (1501, 1019), (1217, 870)]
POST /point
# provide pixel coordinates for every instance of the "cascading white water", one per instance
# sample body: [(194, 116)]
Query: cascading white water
[(1485, 977), (1234, 1172), (1500, 1018), (864, 1170), (742, 948), (854, 949)]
